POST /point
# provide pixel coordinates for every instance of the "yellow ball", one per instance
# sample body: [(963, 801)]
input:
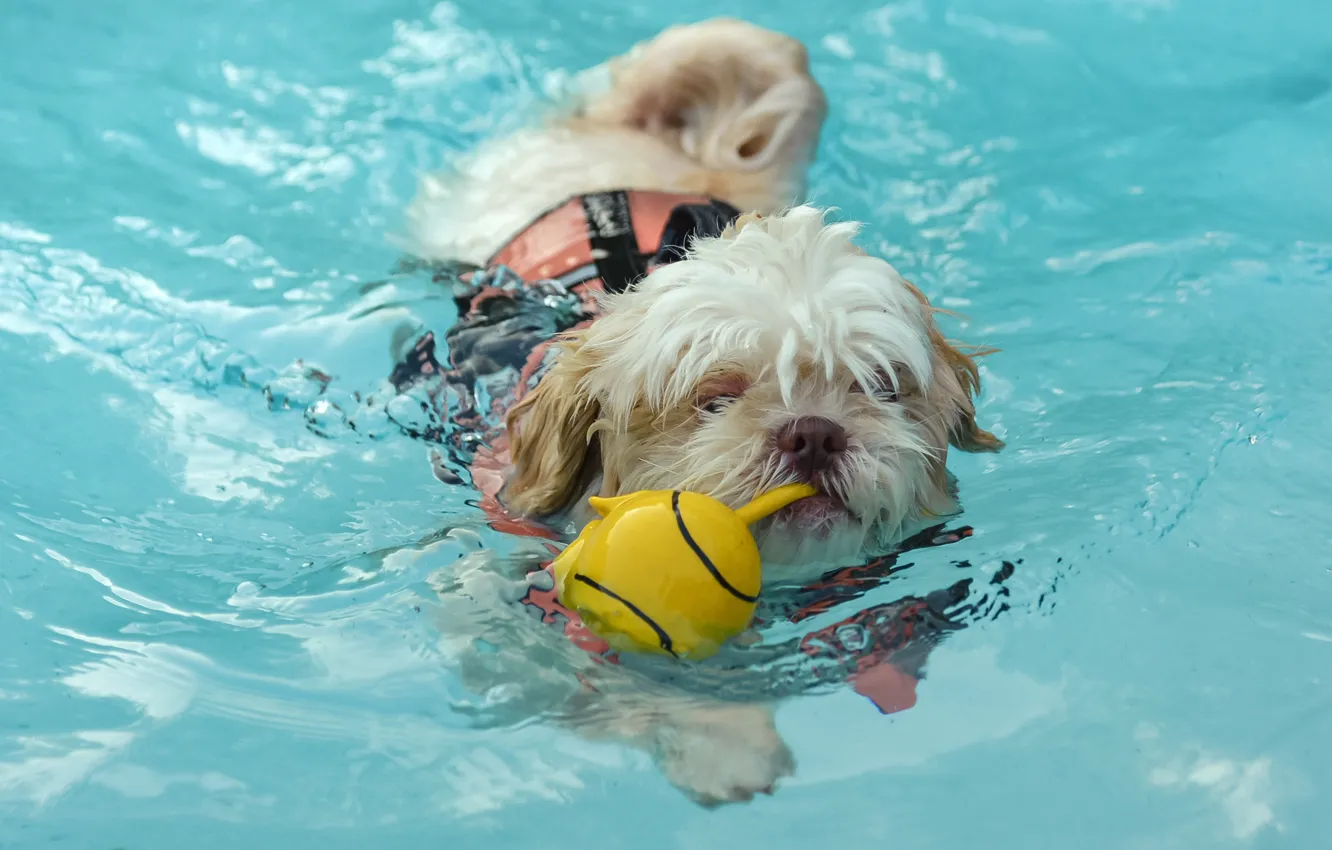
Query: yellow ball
[(667, 571)]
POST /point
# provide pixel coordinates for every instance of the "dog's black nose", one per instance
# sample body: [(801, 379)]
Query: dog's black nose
[(811, 444)]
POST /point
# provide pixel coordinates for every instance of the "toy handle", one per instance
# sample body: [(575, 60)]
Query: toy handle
[(773, 501)]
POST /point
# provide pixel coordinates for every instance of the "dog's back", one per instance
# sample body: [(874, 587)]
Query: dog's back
[(722, 109)]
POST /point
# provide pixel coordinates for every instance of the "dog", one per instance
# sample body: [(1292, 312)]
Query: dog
[(693, 348), (777, 352)]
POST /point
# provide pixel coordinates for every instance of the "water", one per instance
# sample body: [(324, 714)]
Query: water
[(210, 610)]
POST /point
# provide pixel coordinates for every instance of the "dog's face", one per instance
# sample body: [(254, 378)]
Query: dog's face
[(776, 353)]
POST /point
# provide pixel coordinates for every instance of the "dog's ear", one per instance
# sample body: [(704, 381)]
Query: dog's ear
[(550, 435), (963, 432), (957, 375)]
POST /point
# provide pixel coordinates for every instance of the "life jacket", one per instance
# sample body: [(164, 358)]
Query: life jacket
[(608, 241)]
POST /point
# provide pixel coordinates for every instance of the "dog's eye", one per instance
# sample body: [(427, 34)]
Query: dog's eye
[(717, 404), (884, 391), (719, 392)]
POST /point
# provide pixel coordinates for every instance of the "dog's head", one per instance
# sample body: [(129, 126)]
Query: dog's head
[(734, 98), (778, 352)]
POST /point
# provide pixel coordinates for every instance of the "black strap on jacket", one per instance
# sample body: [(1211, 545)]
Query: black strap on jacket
[(610, 232)]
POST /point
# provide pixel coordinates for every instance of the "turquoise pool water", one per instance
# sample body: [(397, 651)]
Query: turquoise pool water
[(208, 595)]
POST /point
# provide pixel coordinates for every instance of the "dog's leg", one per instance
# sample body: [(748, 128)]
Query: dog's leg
[(714, 751)]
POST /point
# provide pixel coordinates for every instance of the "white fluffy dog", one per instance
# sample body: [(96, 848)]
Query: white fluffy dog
[(772, 353), (778, 352)]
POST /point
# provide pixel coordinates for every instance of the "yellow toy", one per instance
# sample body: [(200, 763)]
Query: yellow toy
[(668, 571)]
